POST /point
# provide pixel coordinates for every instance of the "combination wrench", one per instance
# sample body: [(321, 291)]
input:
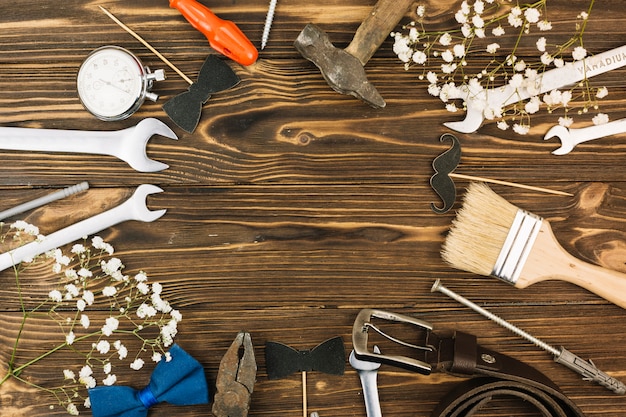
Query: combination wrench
[(368, 372), (134, 208), (571, 137), (129, 144)]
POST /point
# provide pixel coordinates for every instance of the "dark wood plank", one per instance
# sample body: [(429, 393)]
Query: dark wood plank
[(292, 207)]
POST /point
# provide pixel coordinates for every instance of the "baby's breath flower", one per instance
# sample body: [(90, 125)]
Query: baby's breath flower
[(109, 380), (532, 15), (579, 53), (137, 364), (156, 357), (600, 119), (122, 351), (498, 31), (103, 347), (521, 129), (78, 249), (55, 295), (541, 44), (602, 92), (93, 272), (565, 121), (109, 291), (492, 48), (72, 409)]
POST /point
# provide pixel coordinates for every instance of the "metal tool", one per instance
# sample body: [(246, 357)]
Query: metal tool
[(561, 355), (571, 137), (343, 68), (49, 198), (496, 98), (129, 144), (268, 23), (134, 208), (236, 378), (223, 35), (368, 373), (363, 323)]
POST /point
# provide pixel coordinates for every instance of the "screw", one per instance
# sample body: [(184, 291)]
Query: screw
[(438, 286), (268, 23)]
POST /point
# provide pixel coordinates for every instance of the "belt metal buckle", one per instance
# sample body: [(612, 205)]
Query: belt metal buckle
[(360, 329)]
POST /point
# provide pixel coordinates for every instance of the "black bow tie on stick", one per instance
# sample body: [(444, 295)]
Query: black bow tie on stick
[(185, 109), (282, 360)]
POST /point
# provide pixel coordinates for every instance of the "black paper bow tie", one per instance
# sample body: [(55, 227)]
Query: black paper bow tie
[(185, 109), (282, 360)]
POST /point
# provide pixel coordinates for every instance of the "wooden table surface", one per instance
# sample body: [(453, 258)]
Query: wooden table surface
[(292, 207)]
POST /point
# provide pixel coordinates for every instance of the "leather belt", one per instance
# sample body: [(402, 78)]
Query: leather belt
[(495, 376)]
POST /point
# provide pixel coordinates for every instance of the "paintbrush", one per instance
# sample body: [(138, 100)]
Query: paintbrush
[(493, 237)]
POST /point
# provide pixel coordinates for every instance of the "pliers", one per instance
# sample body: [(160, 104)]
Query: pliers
[(235, 379)]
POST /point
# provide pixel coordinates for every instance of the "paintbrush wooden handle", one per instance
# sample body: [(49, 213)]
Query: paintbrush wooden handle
[(549, 261)]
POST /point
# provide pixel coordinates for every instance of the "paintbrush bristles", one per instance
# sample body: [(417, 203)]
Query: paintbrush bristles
[(479, 231)]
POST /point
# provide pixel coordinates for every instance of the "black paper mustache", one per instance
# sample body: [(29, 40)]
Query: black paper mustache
[(441, 182), (444, 186), (185, 109)]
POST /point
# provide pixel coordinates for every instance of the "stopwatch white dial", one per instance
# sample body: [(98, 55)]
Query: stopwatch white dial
[(111, 83)]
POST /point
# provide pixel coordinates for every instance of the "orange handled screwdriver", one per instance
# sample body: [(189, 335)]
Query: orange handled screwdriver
[(223, 35)]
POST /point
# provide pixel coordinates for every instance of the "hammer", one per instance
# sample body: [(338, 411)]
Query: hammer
[(343, 68)]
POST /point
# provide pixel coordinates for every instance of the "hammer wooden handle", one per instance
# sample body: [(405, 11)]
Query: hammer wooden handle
[(376, 28)]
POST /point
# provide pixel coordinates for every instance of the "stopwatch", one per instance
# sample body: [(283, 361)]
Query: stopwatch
[(113, 83)]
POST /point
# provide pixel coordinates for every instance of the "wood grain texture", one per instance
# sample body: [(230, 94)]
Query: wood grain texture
[(292, 207)]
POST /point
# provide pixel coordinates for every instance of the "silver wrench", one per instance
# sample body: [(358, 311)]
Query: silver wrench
[(129, 144), (368, 372), (571, 137), (477, 99), (134, 208)]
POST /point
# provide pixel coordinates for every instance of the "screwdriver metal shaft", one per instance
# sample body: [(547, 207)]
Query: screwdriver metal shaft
[(563, 356)]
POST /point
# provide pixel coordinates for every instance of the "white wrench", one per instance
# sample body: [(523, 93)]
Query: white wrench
[(572, 137), (368, 372), (550, 80), (129, 144), (132, 209)]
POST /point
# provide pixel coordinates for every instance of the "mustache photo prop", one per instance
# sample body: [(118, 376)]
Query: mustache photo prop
[(444, 166)]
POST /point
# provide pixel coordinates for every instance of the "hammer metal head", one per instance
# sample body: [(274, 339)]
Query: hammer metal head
[(342, 71)]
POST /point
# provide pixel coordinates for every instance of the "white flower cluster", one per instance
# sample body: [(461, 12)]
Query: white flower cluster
[(90, 277), (445, 55)]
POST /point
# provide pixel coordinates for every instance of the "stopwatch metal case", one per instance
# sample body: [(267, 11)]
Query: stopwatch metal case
[(141, 77)]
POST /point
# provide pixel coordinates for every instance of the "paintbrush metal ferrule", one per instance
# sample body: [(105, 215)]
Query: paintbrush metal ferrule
[(517, 246)]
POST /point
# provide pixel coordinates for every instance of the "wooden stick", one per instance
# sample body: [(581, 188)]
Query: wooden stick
[(304, 399), (146, 44), (510, 184)]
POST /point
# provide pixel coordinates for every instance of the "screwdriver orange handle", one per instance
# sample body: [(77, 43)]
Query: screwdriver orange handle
[(223, 35)]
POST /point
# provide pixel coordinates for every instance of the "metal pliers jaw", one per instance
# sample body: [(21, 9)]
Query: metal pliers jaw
[(235, 379)]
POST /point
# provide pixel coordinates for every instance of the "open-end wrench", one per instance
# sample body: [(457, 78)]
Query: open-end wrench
[(477, 100), (368, 372), (572, 137), (134, 208), (129, 144)]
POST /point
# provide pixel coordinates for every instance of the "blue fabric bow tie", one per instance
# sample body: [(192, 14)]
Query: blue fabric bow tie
[(180, 381)]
